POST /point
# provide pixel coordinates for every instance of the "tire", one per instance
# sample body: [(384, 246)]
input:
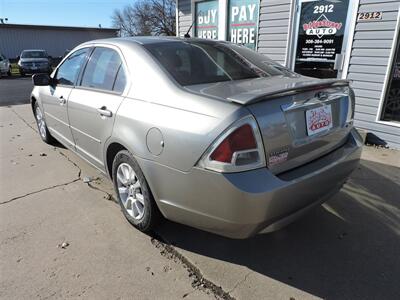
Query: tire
[(135, 194), (9, 73), (41, 124), (22, 74)]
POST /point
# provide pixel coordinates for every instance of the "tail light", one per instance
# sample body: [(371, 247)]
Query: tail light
[(238, 149)]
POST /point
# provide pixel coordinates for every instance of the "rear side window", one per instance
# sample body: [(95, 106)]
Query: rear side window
[(120, 81), (68, 72), (101, 70)]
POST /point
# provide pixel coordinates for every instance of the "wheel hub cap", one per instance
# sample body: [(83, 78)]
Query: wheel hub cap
[(130, 191)]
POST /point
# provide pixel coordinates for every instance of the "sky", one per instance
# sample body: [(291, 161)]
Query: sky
[(86, 13)]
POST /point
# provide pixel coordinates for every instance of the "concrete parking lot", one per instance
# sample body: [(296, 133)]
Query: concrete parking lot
[(61, 237)]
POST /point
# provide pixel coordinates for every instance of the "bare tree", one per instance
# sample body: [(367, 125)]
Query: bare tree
[(146, 17)]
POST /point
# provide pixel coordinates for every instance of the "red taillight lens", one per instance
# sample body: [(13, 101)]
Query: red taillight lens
[(239, 148), (239, 140)]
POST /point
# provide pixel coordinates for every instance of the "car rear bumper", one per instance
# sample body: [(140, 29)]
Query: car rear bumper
[(239, 205)]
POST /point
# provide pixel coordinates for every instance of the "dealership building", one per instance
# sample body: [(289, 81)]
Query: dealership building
[(347, 39), (54, 39)]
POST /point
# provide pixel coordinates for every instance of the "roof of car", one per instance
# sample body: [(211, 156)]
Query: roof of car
[(146, 40), (26, 50)]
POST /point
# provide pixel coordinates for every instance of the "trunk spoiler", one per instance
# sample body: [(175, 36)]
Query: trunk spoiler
[(286, 90)]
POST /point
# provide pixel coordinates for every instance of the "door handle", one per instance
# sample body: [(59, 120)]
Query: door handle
[(103, 111), (62, 100)]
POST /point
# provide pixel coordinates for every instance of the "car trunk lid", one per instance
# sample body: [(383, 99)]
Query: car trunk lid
[(300, 120)]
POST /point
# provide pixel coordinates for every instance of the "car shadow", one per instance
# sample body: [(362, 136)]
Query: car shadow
[(58, 145), (347, 249)]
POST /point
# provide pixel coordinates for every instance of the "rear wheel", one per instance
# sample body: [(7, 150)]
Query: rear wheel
[(134, 195), (41, 124)]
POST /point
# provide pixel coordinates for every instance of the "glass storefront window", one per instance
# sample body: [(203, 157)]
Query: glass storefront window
[(206, 26), (391, 107), (320, 36), (243, 22)]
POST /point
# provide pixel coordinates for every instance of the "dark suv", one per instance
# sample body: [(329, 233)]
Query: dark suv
[(34, 61)]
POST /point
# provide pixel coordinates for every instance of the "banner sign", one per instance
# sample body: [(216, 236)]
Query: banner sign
[(321, 29), (243, 22), (206, 20)]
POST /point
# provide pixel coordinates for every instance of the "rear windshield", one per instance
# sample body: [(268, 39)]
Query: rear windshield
[(34, 54), (198, 62)]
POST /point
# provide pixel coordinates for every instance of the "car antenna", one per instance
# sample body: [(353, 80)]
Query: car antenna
[(187, 35)]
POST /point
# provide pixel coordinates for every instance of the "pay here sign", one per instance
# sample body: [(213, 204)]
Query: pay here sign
[(243, 22)]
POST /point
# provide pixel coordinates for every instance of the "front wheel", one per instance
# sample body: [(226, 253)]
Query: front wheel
[(134, 195), (41, 124)]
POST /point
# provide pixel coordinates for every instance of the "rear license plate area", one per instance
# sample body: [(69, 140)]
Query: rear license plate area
[(319, 119)]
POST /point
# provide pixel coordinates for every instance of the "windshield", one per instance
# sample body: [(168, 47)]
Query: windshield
[(34, 54), (197, 62)]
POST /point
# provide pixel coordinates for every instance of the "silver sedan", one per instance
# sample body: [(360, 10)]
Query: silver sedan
[(204, 133)]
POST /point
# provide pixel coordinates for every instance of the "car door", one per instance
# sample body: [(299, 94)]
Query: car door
[(92, 105), (55, 97)]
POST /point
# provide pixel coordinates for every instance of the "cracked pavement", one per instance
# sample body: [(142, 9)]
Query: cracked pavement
[(44, 202), (346, 249)]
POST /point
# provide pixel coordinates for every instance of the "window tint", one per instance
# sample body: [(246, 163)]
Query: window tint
[(101, 69), (207, 62), (68, 72), (120, 81), (34, 54)]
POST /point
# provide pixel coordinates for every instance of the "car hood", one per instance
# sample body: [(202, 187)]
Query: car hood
[(249, 91), (24, 60)]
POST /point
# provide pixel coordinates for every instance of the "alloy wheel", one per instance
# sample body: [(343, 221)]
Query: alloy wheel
[(130, 191), (40, 122)]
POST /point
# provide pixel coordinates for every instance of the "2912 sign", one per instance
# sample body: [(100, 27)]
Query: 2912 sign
[(320, 9), (366, 16)]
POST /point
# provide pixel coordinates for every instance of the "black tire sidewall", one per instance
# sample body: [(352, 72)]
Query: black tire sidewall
[(151, 215)]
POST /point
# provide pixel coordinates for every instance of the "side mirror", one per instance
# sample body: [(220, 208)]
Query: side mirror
[(41, 80)]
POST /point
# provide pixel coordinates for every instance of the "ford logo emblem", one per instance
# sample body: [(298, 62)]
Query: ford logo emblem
[(321, 95)]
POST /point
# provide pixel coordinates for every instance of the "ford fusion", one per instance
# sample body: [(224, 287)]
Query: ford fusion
[(204, 133)]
